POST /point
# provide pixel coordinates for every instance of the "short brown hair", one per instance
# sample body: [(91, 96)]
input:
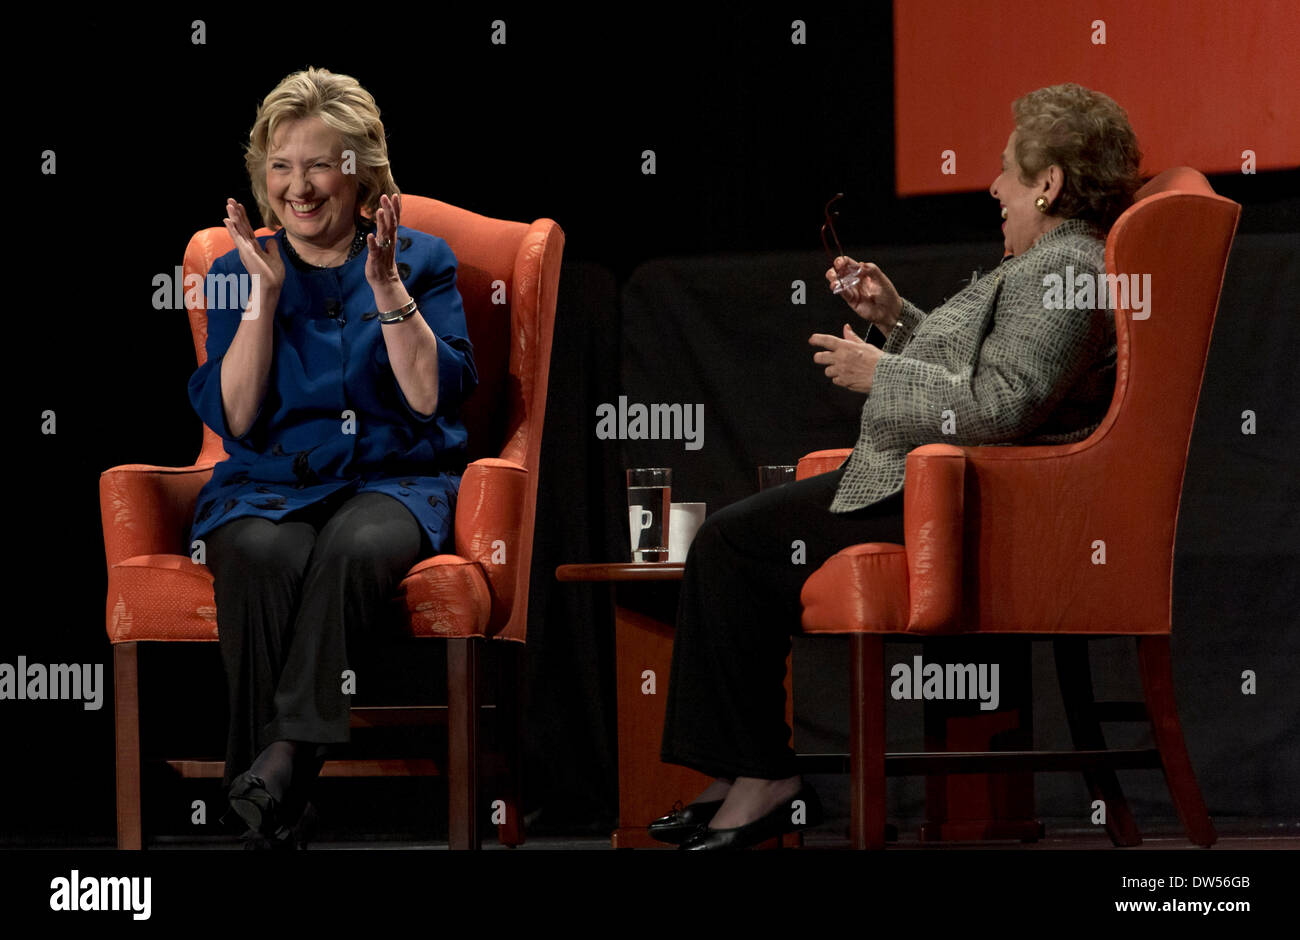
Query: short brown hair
[(344, 106), (1088, 136)]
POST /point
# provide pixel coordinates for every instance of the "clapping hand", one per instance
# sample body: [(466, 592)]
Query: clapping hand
[(265, 263), (850, 361), (381, 260)]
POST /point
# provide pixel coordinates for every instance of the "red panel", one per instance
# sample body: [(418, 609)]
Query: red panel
[(1201, 80)]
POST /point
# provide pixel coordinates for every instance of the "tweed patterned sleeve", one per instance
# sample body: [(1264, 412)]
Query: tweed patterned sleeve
[(1034, 352), (908, 319)]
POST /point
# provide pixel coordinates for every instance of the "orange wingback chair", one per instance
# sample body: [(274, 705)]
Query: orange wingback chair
[(1068, 542), (156, 593)]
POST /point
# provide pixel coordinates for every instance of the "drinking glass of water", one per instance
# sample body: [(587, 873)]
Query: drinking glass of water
[(775, 475), (649, 497)]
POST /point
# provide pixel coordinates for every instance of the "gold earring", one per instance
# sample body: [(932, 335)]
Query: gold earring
[(1041, 204)]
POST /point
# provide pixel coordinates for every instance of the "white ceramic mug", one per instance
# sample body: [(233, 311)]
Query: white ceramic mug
[(685, 520), (638, 520)]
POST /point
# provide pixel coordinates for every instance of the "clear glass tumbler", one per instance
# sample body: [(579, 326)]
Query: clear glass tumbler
[(775, 475), (649, 498)]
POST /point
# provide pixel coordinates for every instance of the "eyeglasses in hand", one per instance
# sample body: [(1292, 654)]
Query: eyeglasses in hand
[(849, 280)]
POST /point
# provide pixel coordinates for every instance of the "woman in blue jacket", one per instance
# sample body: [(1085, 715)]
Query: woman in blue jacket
[(337, 363)]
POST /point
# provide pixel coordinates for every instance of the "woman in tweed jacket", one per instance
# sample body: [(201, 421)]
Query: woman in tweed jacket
[(1007, 360)]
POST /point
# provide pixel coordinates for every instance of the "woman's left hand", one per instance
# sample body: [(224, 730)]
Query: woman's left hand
[(381, 260), (850, 361)]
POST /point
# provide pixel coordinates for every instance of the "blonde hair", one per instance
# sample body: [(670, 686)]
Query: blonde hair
[(1088, 136), (345, 107)]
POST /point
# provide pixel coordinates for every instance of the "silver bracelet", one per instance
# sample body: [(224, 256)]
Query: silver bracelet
[(398, 315)]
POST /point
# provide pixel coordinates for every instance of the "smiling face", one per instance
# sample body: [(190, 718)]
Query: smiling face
[(1024, 224), (306, 186)]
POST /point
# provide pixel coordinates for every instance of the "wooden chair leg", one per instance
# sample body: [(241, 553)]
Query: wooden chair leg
[(867, 741), (510, 724), (1158, 683), (462, 742), (1074, 672), (126, 718)]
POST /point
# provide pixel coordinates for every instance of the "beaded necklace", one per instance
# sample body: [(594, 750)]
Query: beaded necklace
[(354, 249)]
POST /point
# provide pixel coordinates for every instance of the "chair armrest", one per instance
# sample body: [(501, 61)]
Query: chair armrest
[(1036, 518), (1033, 519), (933, 527), (147, 510), (821, 461), (489, 519), (1004, 508)]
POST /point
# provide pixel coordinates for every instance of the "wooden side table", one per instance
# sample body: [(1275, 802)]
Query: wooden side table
[(645, 614), (963, 807)]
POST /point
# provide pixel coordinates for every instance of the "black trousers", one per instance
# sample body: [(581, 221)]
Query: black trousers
[(739, 605), (300, 601)]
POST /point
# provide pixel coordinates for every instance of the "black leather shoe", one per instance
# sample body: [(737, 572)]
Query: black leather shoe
[(254, 804), (681, 823), (285, 838), (774, 824)]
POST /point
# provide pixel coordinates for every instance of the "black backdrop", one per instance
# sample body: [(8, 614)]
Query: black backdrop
[(751, 136)]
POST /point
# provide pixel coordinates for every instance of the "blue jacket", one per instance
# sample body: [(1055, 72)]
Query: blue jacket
[(334, 416)]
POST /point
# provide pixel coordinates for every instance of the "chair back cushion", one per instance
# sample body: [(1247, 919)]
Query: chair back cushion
[(1038, 518), (485, 251), (508, 276), (1174, 244)]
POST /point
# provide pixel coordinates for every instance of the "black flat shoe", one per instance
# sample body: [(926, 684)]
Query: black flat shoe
[(681, 823), (775, 823)]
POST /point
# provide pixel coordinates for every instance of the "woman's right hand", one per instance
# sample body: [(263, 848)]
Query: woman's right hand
[(873, 298), (264, 262)]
